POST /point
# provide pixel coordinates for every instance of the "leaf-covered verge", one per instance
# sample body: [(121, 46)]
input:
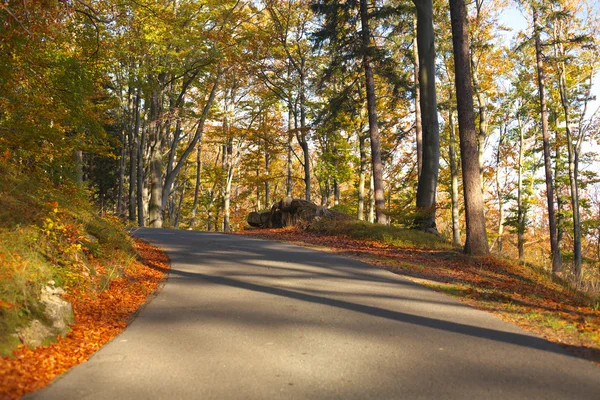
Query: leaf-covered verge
[(51, 232), (522, 294), (99, 317)]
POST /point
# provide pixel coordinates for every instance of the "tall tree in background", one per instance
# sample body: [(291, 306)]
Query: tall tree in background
[(372, 114), (427, 184), (476, 242), (556, 257)]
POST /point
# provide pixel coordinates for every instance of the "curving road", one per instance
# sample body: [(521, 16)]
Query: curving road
[(244, 318)]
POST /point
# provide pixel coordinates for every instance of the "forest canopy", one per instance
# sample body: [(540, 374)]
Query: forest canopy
[(437, 116)]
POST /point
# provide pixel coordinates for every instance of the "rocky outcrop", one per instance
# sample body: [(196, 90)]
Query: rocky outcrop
[(292, 212), (58, 314)]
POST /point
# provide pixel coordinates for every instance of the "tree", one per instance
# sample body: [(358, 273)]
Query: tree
[(556, 257), (427, 183), (476, 241)]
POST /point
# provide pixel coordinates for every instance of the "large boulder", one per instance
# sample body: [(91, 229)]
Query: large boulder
[(56, 309), (58, 314)]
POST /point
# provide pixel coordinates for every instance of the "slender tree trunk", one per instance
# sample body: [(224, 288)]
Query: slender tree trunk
[(483, 124), (573, 167), (196, 141), (197, 185), (133, 157), (454, 181), (122, 164), (520, 207), (267, 183), (361, 176), (559, 198), (304, 141), (476, 242), (372, 113), (155, 208), (500, 193), (427, 183), (178, 211), (371, 215), (78, 158), (289, 180), (556, 258), (229, 171), (140, 179), (573, 176), (418, 121)]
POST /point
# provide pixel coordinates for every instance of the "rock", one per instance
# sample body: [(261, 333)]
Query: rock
[(292, 212), (57, 310), (34, 334)]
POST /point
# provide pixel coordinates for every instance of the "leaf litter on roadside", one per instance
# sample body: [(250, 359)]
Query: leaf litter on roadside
[(99, 317), (515, 293)]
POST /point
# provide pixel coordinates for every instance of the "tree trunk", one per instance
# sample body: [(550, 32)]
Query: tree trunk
[(155, 208), (179, 205), (267, 183), (372, 113), (418, 121), (556, 259), (371, 215), (483, 124), (78, 158), (427, 184), (361, 176), (476, 241), (454, 181), (196, 140), (122, 164), (197, 185), (520, 207), (573, 176), (500, 194), (133, 157), (289, 179), (140, 179)]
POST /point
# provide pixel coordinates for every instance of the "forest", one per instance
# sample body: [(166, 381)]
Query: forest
[(191, 114)]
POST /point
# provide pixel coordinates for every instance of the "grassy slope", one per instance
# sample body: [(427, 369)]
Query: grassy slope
[(525, 295), (50, 232)]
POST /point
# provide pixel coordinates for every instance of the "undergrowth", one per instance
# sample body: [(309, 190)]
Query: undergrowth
[(50, 232), (391, 235)]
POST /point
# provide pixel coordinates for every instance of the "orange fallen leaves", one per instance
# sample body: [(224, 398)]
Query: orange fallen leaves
[(99, 317)]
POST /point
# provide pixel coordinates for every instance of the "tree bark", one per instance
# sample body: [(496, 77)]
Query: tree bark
[(122, 164), (174, 171), (140, 179), (521, 215), (155, 206), (556, 258), (197, 185), (418, 119), (499, 192), (476, 241), (454, 181), (427, 183), (362, 172), (133, 157), (372, 113), (289, 179)]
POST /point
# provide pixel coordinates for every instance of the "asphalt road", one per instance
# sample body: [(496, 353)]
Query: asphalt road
[(244, 318)]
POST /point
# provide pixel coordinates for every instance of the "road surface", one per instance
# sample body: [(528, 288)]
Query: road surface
[(243, 318)]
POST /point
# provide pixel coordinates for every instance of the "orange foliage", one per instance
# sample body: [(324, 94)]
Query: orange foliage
[(99, 317)]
